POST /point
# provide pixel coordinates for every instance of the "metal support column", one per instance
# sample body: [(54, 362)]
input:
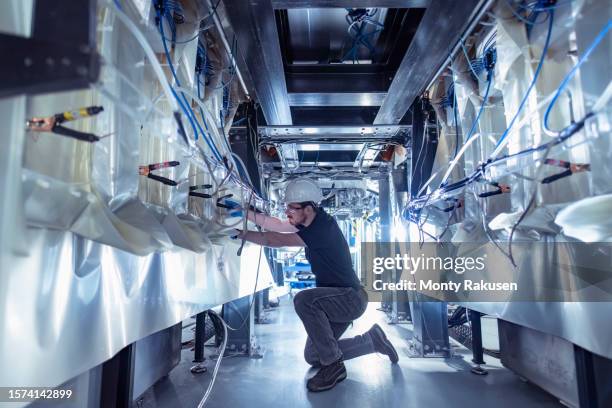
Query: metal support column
[(118, 379), (199, 337), (430, 321), (240, 314), (384, 210), (400, 179), (266, 298), (199, 340), (260, 315), (477, 351), (586, 378), (424, 144)]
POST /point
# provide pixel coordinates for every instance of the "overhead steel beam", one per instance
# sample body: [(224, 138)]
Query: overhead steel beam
[(254, 24), (334, 164), (225, 31), (328, 167), (442, 25), (337, 99), (313, 133), (329, 147), (290, 4)]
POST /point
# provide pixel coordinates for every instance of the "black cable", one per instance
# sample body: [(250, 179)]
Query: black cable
[(524, 214), (486, 227), (564, 135)]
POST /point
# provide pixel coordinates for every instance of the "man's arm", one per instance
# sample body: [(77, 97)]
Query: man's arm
[(272, 239), (271, 223)]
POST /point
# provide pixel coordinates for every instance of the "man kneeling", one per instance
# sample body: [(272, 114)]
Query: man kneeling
[(327, 310)]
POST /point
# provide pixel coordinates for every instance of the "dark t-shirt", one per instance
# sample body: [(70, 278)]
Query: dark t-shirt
[(328, 252)]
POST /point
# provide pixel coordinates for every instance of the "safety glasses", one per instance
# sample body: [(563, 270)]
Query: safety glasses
[(293, 208)]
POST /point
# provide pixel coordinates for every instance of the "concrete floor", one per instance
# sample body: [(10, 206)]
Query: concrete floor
[(278, 379)]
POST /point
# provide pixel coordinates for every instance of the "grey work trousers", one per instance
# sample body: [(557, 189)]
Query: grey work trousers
[(326, 313)]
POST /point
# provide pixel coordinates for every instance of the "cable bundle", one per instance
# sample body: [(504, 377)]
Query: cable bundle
[(358, 19), (172, 12), (203, 67), (448, 100)]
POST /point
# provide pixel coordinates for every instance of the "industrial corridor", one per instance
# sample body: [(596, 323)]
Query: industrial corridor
[(374, 381), (305, 203)]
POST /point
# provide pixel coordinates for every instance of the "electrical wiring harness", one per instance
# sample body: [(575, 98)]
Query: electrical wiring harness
[(413, 212)]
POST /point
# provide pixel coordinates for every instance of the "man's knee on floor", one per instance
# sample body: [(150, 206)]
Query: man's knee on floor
[(311, 357)]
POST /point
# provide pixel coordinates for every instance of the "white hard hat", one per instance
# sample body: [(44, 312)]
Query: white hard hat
[(302, 190)]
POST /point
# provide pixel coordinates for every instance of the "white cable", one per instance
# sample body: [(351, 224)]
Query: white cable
[(159, 72), (351, 26), (211, 172), (459, 155), (215, 134), (515, 129), (603, 99), (217, 364), (433, 176), (520, 124), (152, 108), (229, 173)]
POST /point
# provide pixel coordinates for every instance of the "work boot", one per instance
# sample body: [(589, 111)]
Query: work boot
[(382, 344), (327, 377)]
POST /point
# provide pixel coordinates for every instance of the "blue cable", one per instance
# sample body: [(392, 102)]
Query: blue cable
[(206, 126), (360, 37), (525, 20), (174, 41), (231, 68), (200, 108), (374, 22), (161, 30), (229, 148), (186, 108), (571, 74), (484, 102), (533, 81), (241, 170), (534, 6), (478, 65), (356, 44)]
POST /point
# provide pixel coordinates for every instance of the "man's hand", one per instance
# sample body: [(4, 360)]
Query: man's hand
[(239, 234)]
